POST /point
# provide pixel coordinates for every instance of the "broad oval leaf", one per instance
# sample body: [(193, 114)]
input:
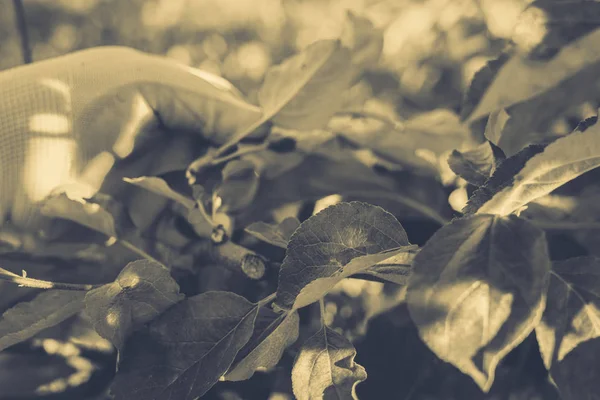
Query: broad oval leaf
[(339, 241), (478, 289), (185, 351), (325, 368), (560, 162), (521, 78), (306, 89), (141, 292), (45, 310), (159, 186), (273, 333), (571, 322), (278, 235)]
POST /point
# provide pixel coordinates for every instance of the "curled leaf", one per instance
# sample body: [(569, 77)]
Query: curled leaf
[(325, 368)]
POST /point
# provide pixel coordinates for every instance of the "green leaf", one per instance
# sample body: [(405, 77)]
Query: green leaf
[(306, 89), (435, 132), (141, 292), (45, 310), (339, 241), (571, 323), (477, 165), (185, 351), (157, 185), (238, 187), (535, 93), (364, 41), (80, 210), (478, 289), (521, 79), (273, 333), (325, 368), (560, 162), (277, 235)]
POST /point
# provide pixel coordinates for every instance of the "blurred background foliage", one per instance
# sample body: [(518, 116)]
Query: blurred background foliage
[(431, 50)]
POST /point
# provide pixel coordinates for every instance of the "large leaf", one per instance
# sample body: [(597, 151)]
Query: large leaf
[(435, 133), (47, 309), (571, 323), (142, 291), (273, 333), (277, 235), (478, 289), (560, 162), (185, 351), (536, 93), (305, 90), (325, 368), (339, 241), (521, 78)]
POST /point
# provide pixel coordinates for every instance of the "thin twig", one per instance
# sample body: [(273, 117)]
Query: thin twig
[(140, 252), (40, 284), (21, 20), (267, 300)]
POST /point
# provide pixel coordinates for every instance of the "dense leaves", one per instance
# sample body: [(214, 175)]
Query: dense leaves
[(142, 291), (341, 240), (325, 368), (185, 351), (560, 162), (45, 310), (478, 289)]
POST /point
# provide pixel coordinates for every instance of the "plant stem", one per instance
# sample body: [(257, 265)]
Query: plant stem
[(322, 311), (22, 27), (551, 225), (40, 284), (248, 150), (267, 299), (140, 252)]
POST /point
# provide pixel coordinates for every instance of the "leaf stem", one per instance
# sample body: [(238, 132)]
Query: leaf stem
[(248, 150), (322, 311), (6, 275), (267, 299), (21, 21), (140, 252), (415, 205)]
